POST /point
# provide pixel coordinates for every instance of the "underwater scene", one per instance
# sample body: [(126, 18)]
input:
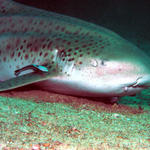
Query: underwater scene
[(74, 75)]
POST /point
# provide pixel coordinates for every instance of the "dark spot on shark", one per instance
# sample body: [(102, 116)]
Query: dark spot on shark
[(67, 32), (64, 41), (46, 54), (71, 59), (44, 46), (26, 56), (29, 45), (8, 46), (25, 29), (3, 11), (36, 49), (40, 54), (4, 59), (83, 46), (102, 47), (63, 29), (68, 43), (17, 42), (19, 54), (90, 44), (12, 54), (21, 47), (69, 50), (58, 39), (49, 45)]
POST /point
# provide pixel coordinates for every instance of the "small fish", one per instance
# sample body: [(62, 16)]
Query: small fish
[(36, 68), (67, 55)]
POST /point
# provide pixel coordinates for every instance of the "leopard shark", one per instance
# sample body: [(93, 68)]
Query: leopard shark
[(67, 55)]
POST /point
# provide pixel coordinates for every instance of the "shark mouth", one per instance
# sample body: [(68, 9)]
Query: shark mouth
[(140, 84), (143, 82)]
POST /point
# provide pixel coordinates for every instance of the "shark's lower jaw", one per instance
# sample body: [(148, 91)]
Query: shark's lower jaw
[(129, 91), (140, 84), (143, 82)]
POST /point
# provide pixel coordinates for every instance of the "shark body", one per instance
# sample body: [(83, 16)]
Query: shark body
[(67, 55)]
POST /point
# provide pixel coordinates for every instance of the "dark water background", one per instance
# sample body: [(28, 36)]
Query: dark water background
[(118, 15)]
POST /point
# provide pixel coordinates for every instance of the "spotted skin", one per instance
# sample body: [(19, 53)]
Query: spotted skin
[(82, 58), (48, 51), (56, 54)]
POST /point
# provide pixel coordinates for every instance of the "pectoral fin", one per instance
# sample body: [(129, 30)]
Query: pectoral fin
[(23, 80)]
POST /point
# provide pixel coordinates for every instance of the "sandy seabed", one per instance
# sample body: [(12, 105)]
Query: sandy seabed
[(32, 119)]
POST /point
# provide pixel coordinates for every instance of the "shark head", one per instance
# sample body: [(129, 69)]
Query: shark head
[(117, 70)]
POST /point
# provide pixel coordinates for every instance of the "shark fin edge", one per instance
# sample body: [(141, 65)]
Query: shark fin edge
[(23, 80)]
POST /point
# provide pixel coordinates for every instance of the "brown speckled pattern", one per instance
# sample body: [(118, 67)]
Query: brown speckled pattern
[(31, 49)]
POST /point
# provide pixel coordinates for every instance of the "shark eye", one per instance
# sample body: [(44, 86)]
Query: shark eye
[(94, 63)]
